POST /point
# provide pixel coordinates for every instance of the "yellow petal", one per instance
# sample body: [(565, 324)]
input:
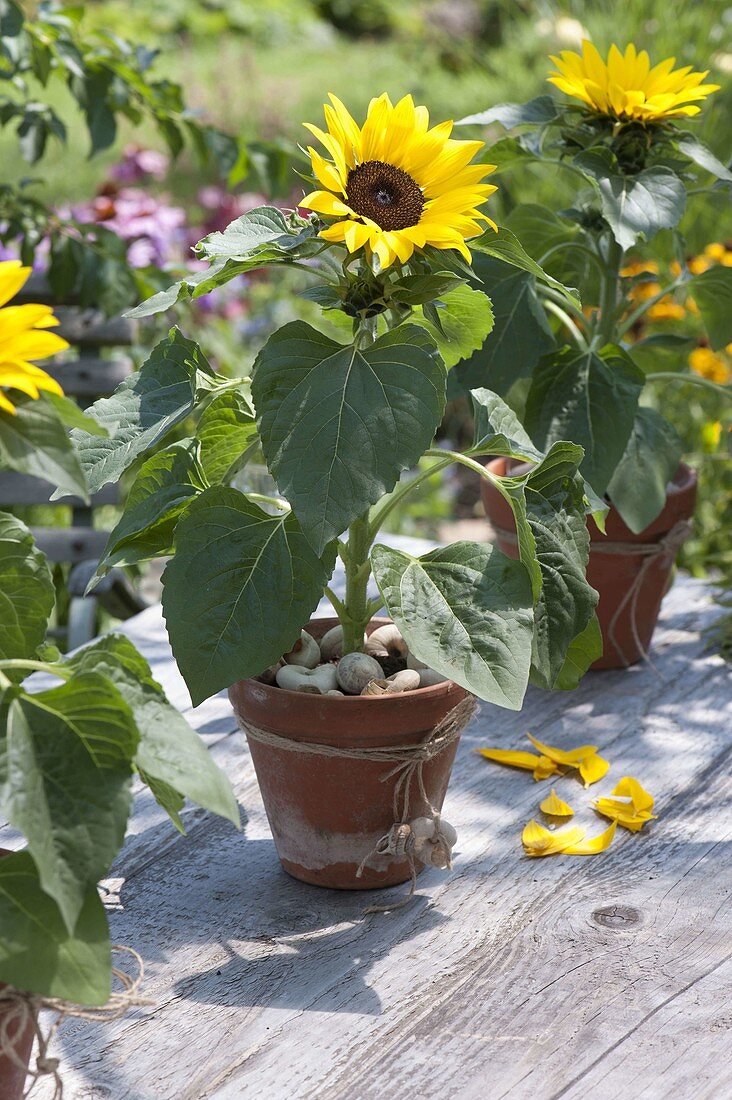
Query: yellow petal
[(594, 844), (545, 767), (6, 404), (527, 760), (631, 807), (571, 757), (593, 768), (13, 276), (629, 787), (539, 841), (554, 806)]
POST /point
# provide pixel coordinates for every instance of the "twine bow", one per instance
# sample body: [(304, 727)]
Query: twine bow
[(663, 550), (21, 1010), (409, 761)]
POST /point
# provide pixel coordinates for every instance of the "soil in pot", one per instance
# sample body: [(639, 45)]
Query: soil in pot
[(12, 1074), (631, 573), (328, 812)]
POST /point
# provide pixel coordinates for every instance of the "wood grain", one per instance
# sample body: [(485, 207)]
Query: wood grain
[(562, 977)]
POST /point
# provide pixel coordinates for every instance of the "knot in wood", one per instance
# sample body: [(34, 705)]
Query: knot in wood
[(618, 917)]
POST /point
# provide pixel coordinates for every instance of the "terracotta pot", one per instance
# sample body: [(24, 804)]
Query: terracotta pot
[(631, 585), (327, 813), (12, 1077)]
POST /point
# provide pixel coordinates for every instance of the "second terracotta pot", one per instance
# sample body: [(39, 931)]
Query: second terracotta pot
[(328, 813), (631, 585)]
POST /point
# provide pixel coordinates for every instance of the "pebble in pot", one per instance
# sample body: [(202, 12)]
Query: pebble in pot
[(305, 652), (428, 677), (355, 671), (319, 680), (331, 644), (386, 641), (408, 680)]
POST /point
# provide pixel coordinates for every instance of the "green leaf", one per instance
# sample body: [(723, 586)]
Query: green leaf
[(338, 425), (651, 458), (239, 589), (555, 513), (697, 151), (142, 409), (634, 206), (583, 651), (34, 441), (465, 320), (589, 398), (170, 756), (27, 594), (505, 246), (70, 414), (66, 783), (167, 798), (413, 290), (712, 292), (520, 334), (497, 429), (38, 952), (244, 235), (164, 487), (227, 430), (465, 610), (539, 111), (261, 237)]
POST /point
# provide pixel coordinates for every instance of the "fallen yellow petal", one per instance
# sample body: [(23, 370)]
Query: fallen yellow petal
[(631, 807), (594, 845), (527, 760), (538, 841), (631, 788), (560, 756), (545, 767), (593, 768), (554, 806)]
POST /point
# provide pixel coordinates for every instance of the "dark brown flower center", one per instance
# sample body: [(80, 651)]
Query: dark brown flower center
[(385, 194)]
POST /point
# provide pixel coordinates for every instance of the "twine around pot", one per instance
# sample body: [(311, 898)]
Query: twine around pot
[(22, 1009), (663, 550), (409, 761)]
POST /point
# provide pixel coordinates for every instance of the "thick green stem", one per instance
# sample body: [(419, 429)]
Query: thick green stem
[(38, 666), (567, 321), (385, 507), (610, 294), (356, 606)]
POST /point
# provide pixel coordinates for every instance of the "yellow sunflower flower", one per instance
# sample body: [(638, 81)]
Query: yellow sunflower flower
[(23, 338), (627, 87), (395, 184), (708, 364)]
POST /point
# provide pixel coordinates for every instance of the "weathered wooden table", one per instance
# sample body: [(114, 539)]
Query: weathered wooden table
[(565, 976)]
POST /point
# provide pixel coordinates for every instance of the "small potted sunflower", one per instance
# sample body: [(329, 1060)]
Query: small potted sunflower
[(353, 721), (596, 375)]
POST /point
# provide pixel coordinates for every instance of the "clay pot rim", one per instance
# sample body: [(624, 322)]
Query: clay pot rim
[(432, 690)]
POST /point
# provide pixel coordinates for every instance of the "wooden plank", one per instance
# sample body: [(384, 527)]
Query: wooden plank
[(89, 327), (557, 977), (91, 375), (70, 544), (23, 489)]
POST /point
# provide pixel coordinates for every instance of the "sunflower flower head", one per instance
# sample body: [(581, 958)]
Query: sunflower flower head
[(396, 184), (24, 338), (627, 87)]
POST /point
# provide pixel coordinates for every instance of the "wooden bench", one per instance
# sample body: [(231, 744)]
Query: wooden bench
[(79, 545), (574, 977)]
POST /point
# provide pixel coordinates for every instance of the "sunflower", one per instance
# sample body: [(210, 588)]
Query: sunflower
[(395, 184), (626, 87), (23, 337)]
